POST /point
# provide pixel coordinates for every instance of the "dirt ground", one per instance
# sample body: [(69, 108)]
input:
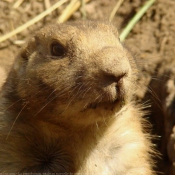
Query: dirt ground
[(152, 41)]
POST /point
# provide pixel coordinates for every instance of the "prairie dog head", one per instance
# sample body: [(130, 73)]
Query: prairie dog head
[(75, 72)]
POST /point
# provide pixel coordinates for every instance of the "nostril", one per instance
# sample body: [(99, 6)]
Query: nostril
[(119, 79), (112, 78), (119, 85), (113, 85), (119, 82)]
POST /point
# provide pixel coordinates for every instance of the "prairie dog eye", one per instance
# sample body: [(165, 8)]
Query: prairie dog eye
[(57, 49)]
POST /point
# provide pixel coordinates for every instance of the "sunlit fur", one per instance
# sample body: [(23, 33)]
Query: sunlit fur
[(73, 113)]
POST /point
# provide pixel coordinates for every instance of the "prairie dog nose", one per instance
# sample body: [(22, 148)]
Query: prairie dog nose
[(112, 64), (113, 78)]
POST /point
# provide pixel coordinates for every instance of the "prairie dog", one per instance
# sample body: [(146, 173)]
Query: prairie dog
[(67, 105)]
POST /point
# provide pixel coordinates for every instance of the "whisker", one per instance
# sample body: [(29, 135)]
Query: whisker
[(156, 101), (45, 106), (51, 93), (73, 97), (86, 92), (85, 85), (161, 81), (12, 105), (51, 101), (16, 120), (153, 93)]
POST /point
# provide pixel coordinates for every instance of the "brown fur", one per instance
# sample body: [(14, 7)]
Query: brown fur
[(73, 113)]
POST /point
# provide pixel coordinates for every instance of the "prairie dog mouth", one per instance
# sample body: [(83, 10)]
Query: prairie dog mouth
[(112, 97), (118, 101), (95, 105)]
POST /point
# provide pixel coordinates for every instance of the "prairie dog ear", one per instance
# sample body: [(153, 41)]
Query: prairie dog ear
[(28, 48), (25, 53)]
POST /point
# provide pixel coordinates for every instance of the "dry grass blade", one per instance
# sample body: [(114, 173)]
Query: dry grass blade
[(64, 15), (47, 4), (9, 1), (19, 42), (17, 4), (115, 9), (33, 21), (73, 6)]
